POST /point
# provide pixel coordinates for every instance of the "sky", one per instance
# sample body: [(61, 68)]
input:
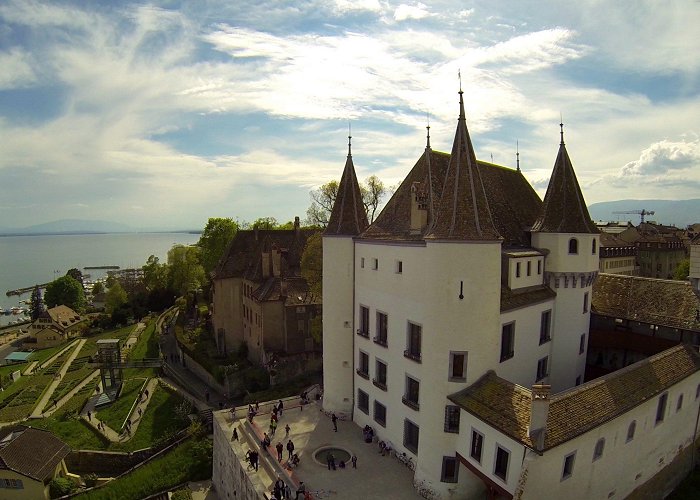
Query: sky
[(164, 114)]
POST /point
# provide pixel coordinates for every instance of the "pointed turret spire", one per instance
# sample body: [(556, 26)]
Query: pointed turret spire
[(428, 129), (561, 131), (348, 216), (463, 212), (564, 209)]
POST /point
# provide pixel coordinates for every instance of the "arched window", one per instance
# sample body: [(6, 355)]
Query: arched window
[(593, 246), (630, 430), (573, 246)]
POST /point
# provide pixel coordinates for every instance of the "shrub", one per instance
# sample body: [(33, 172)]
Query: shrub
[(90, 479), (185, 494), (61, 486)]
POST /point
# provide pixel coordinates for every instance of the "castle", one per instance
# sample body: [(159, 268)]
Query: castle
[(457, 323)]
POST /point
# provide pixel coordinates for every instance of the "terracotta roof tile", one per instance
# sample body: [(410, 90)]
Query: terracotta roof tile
[(659, 302), (32, 452), (564, 209), (506, 406)]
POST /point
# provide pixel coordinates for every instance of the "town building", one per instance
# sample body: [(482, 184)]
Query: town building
[(29, 460), (55, 326), (457, 325), (617, 256), (694, 274), (660, 248), (260, 297)]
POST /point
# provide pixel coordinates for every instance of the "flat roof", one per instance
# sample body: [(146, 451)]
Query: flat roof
[(18, 356)]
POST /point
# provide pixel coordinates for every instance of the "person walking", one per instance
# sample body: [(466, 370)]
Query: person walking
[(89, 416), (280, 406), (254, 459), (354, 461), (290, 449), (301, 490), (286, 431), (280, 450), (273, 427), (235, 435), (334, 419)]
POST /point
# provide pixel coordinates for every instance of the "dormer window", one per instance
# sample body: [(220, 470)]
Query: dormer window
[(573, 246)]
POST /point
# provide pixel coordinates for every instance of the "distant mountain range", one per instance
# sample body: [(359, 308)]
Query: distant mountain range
[(679, 213), (80, 226)]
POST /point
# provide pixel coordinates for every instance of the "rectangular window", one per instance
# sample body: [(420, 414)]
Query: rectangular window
[(450, 466), (379, 413), (585, 302), (452, 419), (539, 267), (517, 269), (362, 262), (477, 445), (568, 466), (399, 267), (364, 322), (599, 447), (410, 436), (458, 366), (380, 375), (582, 343), (363, 401), (382, 328), (375, 264), (542, 368), (661, 408), (413, 350), (363, 365), (500, 468), (545, 326), (529, 266), (410, 397), (507, 341)]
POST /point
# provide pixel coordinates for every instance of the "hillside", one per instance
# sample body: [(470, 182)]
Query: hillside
[(680, 213)]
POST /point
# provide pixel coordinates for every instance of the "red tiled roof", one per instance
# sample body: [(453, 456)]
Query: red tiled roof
[(32, 452)]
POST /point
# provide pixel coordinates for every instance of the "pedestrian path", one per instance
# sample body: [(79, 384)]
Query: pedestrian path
[(38, 410), (88, 414), (30, 368), (50, 411)]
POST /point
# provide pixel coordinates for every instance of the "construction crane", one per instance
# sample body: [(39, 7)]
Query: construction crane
[(641, 213)]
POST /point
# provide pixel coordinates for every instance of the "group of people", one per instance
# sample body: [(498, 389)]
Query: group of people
[(368, 434), (330, 460)]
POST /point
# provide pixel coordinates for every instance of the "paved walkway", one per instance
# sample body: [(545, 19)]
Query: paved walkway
[(30, 369), (50, 411), (38, 410)]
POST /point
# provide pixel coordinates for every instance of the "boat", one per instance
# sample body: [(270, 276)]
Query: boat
[(16, 310)]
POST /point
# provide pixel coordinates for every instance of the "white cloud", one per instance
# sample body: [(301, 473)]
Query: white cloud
[(663, 157), (415, 11), (17, 70), (345, 6)]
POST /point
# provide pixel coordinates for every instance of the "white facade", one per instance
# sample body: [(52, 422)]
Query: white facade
[(694, 274)]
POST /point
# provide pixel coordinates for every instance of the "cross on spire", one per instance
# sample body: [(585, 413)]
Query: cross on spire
[(349, 139), (517, 155), (428, 129), (561, 128)]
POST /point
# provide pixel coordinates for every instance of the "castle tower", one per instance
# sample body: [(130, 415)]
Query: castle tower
[(348, 219), (566, 231)]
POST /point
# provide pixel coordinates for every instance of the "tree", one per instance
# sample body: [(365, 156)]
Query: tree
[(76, 274), (116, 297), (682, 270), (36, 304), (323, 199), (312, 264), (155, 274), (98, 288), (265, 223), (373, 191), (65, 291), (186, 273), (214, 239)]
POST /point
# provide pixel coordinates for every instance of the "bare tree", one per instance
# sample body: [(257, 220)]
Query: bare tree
[(323, 199), (373, 191)]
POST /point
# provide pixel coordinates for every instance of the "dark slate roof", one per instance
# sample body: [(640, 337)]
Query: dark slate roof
[(513, 203), (667, 303), (515, 299), (243, 257), (31, 452), (463, 212), (506, 406), (348, 216), (564, 209), (293, 291)]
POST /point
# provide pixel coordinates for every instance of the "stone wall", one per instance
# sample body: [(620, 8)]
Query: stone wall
[(668, 478), (108, 463)]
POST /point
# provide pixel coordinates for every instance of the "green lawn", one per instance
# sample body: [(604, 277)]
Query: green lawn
[(147, 345), (115, 414), (20, 398), (42, 355), (72, 379), (189, 461), (6, 371), (90, 347)]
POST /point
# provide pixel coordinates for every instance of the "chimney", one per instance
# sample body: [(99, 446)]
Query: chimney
[(419, 208), (538, 414), (296, 225), (276, 260)]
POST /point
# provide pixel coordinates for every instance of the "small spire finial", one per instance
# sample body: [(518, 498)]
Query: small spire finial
[(561, 129), (517, 155), (428, 129), (349, 139), (459, 75)]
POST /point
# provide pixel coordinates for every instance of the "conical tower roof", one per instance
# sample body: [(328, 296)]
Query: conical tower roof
[(348, 216), (564, 209), (463, 210)]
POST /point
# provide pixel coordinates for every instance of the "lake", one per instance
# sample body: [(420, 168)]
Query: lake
[(29, 260)]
